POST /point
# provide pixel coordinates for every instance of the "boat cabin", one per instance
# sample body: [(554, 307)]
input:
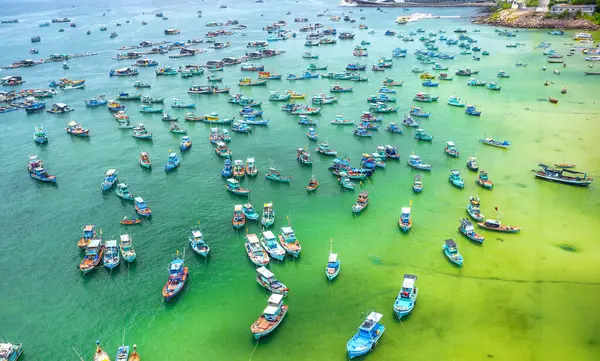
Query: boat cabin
[(269, 236), (405, 213), (333, 261), (93, 246), (125, 239), (111, 244), (12, 80), (451, 245), (288, 234), (408, 285), (492, 223), (140, 202), (110, 172), (197, 234), (88, 231), (238, 209), (265, 274), (273, 307), (369, 324), (252, 238), (467, 225), (413, 158)]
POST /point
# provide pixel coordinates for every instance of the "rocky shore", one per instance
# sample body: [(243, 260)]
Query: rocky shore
[(530, 19)]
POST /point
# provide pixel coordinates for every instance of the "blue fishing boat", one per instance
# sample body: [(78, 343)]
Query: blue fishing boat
[(123, 192), (393, 128), (39, 136), (345, 181), (198, 244), (93, 255), (95, 102), (122, 353), (472, 164), (451, 251), (456, 179), (178, 103), (311, 134), (418, 112), (474, 212), (503, 74), (382, 108), (178, 274), (250, 112), (418, 184), (381, 97), (471, 110), (495, 143), (255, 252), (173, 162), (386, 90), (126, 247), (333, 266), (186, 143), (484, 181), (268, 215), (111, 254), (451, 149), (227, 169), (421, 134), (361, 131), (407, 298), (252, 120), (455, 102), (467, 228), (289, 242), (306, 75), (366, 337), (405, 221), (356, 66), (249, 212), (141, 208), (276, 176), (429, 83), (494, 86), (415, 162), (240, 127), (36, 106), (234, 187), (110, 178)]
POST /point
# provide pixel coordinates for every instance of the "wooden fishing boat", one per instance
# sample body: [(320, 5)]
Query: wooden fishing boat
[(123, 191), (267, 280), (268, 215), (173, 162), (93, 255), (249, 212), (178, 275), (450, 249), (405, 221), (255, 252), (89, 233), (141, 208), (467, 228), (176, 129), (303, 156), (366, 337), (407, 297), (361, 203), (313, 184), (198, 243), (122, 353), (418, 184), (100, 354), (451, 149), (239, 219), (129, 222), (77, 130), (222, 150), (455, 179), (495, 143), (276, 176), (333, 266), (288, 241), (273, 248), (484, 181), (496, 225), (126, 248), (270, 318), (134, 355), (558, 175), (565, 165), (312, 135), (553, 100), (111, 257), (145, 160), (415, 162), (234, 187), (472, 164)]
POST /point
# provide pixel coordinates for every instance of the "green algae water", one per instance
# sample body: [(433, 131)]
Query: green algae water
[(529, 296)]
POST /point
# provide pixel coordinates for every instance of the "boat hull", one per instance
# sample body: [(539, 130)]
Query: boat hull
[(272, 325)]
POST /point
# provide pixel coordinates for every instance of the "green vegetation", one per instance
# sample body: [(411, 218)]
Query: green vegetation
[(595, 18), (583, 2), (532, 3)]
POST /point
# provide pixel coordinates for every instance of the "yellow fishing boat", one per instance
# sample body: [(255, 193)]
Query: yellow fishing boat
[(427, 76), (295, 95)]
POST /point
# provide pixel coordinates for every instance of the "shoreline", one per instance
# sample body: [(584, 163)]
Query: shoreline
[(420, 5), (529, 19)]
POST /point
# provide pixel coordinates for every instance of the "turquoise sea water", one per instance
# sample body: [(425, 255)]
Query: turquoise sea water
[(517, 297)]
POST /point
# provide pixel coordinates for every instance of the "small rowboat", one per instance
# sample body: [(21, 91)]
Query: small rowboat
[(130, 222), (553, 100), (565, 165), (313, 184)]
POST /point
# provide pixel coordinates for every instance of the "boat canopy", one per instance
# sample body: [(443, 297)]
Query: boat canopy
[(94, 243), (405, 210), (172, 155), (252, 238), (60, 105), (88, 228), (196, 233), (265, 272), (287, 230), (275, 299), (139, 200), (414, 157), (450, 243), (125, 238), (111, 243), (450, 144), (371, 321), (271, 310), (250, 160), (332, 257), (220, 144), (110, 172), (409, 281), (268, 235), (74, 124), (268, 205), (238, 207)]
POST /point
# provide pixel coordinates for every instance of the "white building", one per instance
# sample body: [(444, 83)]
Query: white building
[(560, 8)]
